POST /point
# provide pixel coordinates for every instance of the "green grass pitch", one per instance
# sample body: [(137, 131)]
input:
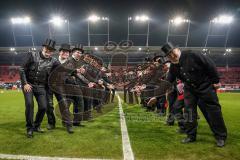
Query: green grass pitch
[(101, 138)]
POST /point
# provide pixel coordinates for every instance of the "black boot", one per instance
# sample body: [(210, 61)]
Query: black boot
[(50, 127), (220, 143), (38, 129), (189, 140), (76, 124), (29, 133)]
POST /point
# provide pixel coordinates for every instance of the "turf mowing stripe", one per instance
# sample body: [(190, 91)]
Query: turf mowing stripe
[(10, 156), (127, 149)]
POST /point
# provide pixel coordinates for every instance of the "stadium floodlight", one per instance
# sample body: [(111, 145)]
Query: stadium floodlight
[(105, 18), (58, 21), (205, 51), (93, 18), (223, 19), (12, 49), (139, 18), (179, 20), (229, 50), (175, 22), (142, 18), (21, 20), (17, 22)]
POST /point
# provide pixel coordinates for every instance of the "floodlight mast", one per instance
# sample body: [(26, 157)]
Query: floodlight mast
[(175, 22), (58, 21), (224, 20), (139, 18), (94, 19), (25, 20)]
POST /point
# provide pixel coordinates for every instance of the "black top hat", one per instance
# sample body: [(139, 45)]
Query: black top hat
[(156, 57), (49, 43), (65, 47), (78, 47), (167, 48), (160, 59)]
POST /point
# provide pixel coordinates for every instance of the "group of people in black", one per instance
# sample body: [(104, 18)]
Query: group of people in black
[(194, 81), (79, 79), (184, 79)]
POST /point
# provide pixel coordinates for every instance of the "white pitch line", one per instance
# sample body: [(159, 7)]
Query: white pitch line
[(27, 157), (127, 149)]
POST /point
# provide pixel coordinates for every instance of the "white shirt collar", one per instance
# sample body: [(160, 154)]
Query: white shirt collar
[(74, 57), (62, 60)]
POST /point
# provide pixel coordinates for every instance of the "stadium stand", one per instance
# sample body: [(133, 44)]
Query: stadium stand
[(228, 66), (9, 74)]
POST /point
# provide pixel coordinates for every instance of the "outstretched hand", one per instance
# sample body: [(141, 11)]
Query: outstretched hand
[(81, 70), (152, 101), (91, 84)]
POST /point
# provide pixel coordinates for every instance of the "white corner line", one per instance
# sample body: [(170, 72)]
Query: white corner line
[(127, 149)]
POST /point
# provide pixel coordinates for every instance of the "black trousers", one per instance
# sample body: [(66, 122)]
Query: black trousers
[(161, 104), (87, 99), (39, 92), (178, 113), (172, 97), (106, 96), (63, 104), (130, 95), (125, 94), (78, 107), (50, 108), (202, 107), (211, 110), (87, 104)]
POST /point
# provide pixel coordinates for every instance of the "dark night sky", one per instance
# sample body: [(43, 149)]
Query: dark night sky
[(199, 11)]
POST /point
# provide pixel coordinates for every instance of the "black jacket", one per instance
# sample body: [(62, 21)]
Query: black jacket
[(36, 69), (65, 80), (73, 77), (194, 69)]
